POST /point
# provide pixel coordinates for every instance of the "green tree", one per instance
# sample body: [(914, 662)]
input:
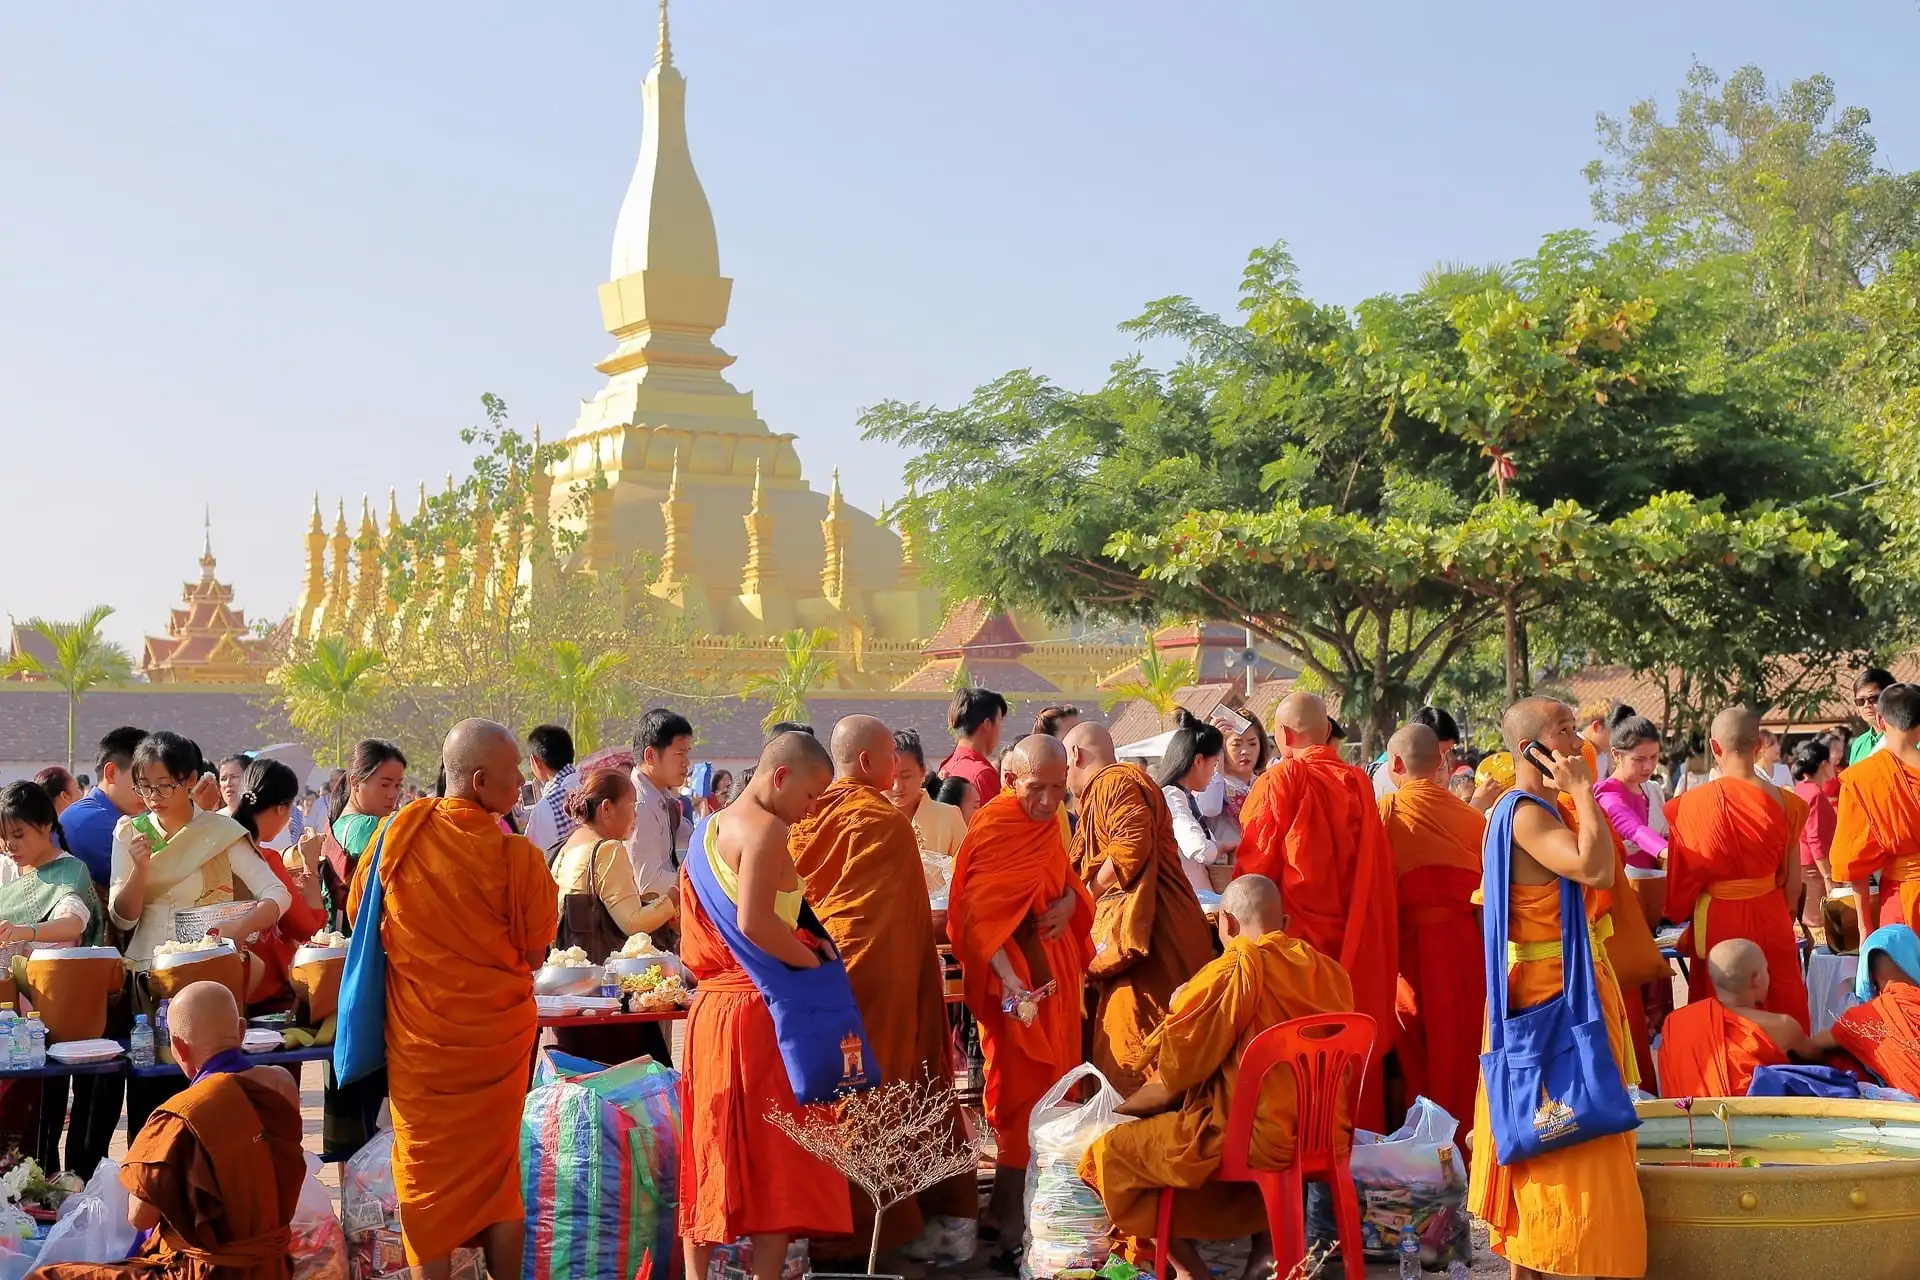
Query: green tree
[(81, 660), (1159, 680), (804, 667), (584, 690), (1884, 397), (330, 686)]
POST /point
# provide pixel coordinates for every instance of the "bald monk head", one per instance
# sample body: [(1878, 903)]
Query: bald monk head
[(1089, 750), (482, 763), (1413, 752), (1899, 710), (863, 751), (1251, 908), (1302, 722), (1549, 725), (792, 772), (203, 1020), (1035, 770), (1738, 968), (1734, 740)]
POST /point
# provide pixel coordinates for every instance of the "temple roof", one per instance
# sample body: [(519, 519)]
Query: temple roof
[(207, 641)]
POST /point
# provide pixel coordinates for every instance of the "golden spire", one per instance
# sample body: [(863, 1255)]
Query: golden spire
[(665, 222), (510, 542), (673, 514), (206, 546), (663, 51), (833, 565), (756, 578), (333, 617), (313, 592), (480, 583), (367, 592), (909, 562), (540, 516)]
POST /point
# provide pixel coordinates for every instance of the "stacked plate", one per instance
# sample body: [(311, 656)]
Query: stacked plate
[(260, 1040), (73, 1053)]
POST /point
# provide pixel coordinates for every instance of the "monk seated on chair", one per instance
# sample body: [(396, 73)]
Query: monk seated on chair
[(1264, 978), (213, 1176), (1710, 1048)]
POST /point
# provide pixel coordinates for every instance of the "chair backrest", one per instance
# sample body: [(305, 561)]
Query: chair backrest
[(1328, 1055)]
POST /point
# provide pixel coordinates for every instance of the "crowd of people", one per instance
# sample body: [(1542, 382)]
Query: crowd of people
[(1150, 920)]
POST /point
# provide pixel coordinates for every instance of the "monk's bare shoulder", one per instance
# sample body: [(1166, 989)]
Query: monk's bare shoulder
[(1533, 828), (277, 1082), (1781, 1028), (751, 833)]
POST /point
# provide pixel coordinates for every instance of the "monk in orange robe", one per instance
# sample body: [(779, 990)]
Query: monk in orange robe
[(1710, 1048), (739, 1174), (1149, 933), (1733, 864), (1310, 824), (1264, 978), (215, 1173), (1436, 839), (469, 912), (1021, 920), (1878, 827), (860, 859), (1884, 1033), (1576, 1211)]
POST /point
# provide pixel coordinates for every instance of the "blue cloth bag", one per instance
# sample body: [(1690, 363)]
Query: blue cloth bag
[(360, 1035), (823, 1043), (1802, 1081), (1550, 1075)]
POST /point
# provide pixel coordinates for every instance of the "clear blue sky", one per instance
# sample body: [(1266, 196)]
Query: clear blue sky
[(252, 250)]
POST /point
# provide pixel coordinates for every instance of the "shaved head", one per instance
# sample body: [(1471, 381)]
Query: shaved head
[(1737, 730), (1089, 750), (863, 751), (1302, 721), (1035, 751), (1529, 720), (795, 751), (1035, 771), (793, 770), (1413, 752), (1736, 966), (1253, 904), (482, 762), (205, 1015)]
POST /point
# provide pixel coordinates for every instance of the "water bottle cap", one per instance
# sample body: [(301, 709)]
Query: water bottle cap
[(139, 1019), (34, 1016)]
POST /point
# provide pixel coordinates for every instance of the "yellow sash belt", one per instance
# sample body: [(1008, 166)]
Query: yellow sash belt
[(1903, 868), (1726, 891), (1551, 949)]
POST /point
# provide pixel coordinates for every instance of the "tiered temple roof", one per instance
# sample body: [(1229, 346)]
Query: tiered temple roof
[(208, 641)]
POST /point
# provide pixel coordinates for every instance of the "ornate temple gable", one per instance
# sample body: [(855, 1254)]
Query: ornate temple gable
[(207, 641)]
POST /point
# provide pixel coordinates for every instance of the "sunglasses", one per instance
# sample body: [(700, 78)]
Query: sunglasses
[(1867, 699)]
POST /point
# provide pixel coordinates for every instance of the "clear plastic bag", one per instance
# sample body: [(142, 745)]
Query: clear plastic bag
[(93, 1225), (1066, 1222), (319, 1246), (1413, 1175), (370, 1217)]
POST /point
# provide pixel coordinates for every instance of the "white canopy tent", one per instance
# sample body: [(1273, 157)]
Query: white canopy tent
[(1147, 748)]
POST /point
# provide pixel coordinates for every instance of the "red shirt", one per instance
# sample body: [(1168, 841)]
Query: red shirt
[(1816, 834), (973, 768)]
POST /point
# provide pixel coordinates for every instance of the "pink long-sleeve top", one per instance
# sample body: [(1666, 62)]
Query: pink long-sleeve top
[(1626, 809)]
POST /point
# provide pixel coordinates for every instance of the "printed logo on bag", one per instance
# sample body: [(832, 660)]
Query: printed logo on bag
[(1553, 1120), (853, 1067)]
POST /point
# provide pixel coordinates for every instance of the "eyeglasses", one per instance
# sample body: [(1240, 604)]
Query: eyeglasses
[(156, 790), (1867, 699)]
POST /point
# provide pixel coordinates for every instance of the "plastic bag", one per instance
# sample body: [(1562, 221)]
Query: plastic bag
[(1413, 1175), (370, 1217), (319, 1247), (735, 1261), (93, 1225), (1066, 1222)]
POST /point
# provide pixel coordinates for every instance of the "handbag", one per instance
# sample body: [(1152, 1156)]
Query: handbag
[(585, 921), (1549, 1070), (360, 1036)]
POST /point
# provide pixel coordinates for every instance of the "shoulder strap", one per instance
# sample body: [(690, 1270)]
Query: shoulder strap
[(597, 878)]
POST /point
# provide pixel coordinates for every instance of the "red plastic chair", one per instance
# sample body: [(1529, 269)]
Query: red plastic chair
[(1328, 1056)]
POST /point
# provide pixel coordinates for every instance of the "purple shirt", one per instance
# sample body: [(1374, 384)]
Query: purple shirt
[(1626, 808)]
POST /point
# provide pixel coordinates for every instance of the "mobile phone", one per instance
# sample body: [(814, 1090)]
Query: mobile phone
[(1542, 758)]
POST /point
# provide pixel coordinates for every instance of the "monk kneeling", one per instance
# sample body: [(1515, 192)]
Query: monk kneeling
[(1710, 1048), (1265, 978), (216, 1171)]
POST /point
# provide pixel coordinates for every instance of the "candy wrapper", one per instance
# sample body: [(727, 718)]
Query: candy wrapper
[(1413, 1175)]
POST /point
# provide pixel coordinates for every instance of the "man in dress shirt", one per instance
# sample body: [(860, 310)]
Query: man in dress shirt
[(662, 758), (550, 756)]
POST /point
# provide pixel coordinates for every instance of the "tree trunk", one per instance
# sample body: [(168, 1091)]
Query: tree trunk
[(1512, 620), (73, 707), (1526, 661)]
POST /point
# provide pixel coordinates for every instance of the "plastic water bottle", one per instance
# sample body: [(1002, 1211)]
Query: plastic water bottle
[(8, 1022), (36, 1041), (1409, 1254), (162, 1037), (141, 1045)]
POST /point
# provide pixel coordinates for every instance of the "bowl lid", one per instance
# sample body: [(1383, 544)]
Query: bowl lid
[(75, 953)]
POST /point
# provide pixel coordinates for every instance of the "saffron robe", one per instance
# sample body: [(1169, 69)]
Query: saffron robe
[(739, 1175), (1709, 1051), (465, 906), (1636, 958), (1256, 985), (1576, 1211), (1150, 921), (1311, 825), (859, 857), (1878, 829), (1442, 999), (1009, 871), (1884, 1033), (1726, 858), (222, 1162)]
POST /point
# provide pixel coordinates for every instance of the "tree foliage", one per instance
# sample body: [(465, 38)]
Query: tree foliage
[(1159, 680), (804, 667), (80, 659), (329, 691)]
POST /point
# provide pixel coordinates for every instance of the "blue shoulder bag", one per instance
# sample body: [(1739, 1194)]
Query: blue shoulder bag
[(1549, 1070), (360, 1037)]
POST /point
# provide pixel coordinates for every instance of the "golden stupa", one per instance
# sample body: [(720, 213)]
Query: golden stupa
[(696, 481)]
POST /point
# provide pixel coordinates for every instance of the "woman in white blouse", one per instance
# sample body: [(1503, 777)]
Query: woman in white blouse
[(1189, 776)]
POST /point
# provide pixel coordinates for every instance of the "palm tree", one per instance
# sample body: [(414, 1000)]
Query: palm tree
[(803, 668), (334, 684), (1159, 680), (82, 660), (585, 689)]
